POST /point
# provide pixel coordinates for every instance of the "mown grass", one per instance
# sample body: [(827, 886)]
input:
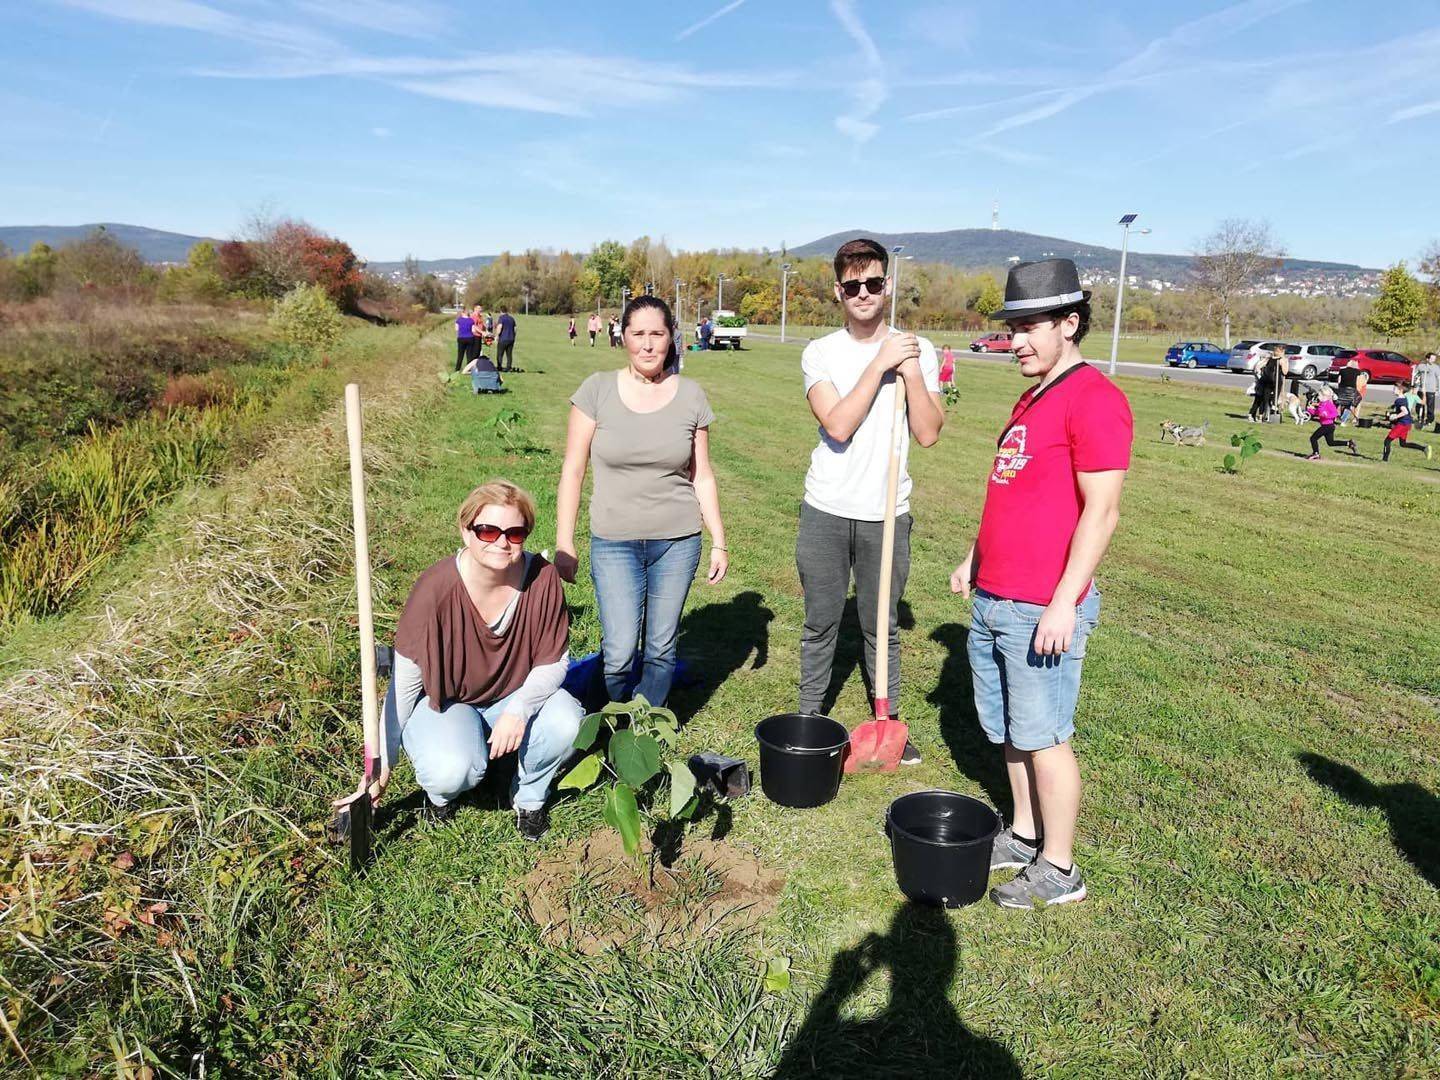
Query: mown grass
[(1257, 737)]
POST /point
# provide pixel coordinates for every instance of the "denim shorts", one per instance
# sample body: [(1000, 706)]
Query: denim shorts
[(1021, 697)]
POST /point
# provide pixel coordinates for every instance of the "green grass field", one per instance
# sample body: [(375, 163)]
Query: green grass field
[(1257, 735), (1134, 348)]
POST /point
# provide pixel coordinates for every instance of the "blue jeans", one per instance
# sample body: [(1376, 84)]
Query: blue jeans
[(450, 752), (485, 379), (641, 585), (1021, 697)]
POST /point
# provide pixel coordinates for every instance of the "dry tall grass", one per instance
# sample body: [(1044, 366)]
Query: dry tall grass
[(156, 801)]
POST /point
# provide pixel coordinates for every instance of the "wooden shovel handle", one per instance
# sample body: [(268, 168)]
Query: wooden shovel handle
[(898, 434), (369, 693)]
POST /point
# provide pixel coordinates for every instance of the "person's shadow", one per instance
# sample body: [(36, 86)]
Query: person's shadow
[(917, 1035), (954, 698), (849, 641), (1413, 811), (715, 641)]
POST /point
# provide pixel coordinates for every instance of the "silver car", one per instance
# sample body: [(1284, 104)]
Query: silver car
[(1244, 354), (1311, 359)]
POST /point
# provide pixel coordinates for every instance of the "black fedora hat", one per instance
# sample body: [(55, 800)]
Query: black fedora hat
[(1036, 288)]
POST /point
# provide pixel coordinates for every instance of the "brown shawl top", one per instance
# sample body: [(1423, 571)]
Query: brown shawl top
[(459, 656)]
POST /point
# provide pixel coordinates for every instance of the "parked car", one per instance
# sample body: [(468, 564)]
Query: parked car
[(1242, 358), (1201, 354), (1307, 359), (1381, 365), (996, 342)]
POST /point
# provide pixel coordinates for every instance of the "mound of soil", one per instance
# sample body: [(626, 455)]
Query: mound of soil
[(591, 896)]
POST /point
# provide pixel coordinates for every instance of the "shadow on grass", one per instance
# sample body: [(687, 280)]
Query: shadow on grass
[(954, 696), (847, 651), (1413, 811), (716, 641), (918, 1034)]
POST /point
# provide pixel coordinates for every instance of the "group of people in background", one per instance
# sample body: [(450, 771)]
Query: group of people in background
[(1338, 406), (474, 330), (482, 648)]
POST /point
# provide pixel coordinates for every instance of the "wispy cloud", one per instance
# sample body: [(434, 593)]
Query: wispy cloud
[(411, 19), (868, 93), (720, 14), (524, 81), (381, 132), (1154, 61), (191, 15), (1414, 112)]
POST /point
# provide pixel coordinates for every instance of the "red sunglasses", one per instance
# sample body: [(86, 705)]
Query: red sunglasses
[(488, 534)]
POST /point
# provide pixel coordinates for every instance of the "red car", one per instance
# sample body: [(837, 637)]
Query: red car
[(996, 342), (1381, 365)]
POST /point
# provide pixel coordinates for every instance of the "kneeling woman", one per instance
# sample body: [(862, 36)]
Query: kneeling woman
[(480, 653)]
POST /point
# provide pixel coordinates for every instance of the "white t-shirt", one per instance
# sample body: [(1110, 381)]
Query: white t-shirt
[(848, 479)]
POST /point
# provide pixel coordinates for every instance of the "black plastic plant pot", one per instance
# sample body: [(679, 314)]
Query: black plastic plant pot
[(940, 842), (800, 758)]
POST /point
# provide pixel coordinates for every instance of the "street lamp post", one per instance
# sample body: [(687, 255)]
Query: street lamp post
[(785, 275), (895, 282), (679, 311), (1125, 223), (719, 291)]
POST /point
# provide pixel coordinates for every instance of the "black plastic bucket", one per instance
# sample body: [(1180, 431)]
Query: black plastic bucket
[(800, 758), (940, 842)]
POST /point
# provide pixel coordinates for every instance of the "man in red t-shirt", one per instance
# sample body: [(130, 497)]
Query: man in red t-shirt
[(1051, 506)]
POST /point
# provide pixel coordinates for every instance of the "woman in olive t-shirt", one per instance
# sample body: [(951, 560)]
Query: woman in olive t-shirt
[(646, 431)]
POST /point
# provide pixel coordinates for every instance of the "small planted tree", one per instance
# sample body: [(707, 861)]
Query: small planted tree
[(1398, 309), (630, 746), (1248, 444)]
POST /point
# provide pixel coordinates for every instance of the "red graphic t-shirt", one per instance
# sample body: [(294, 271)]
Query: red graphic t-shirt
[(1079, 423)]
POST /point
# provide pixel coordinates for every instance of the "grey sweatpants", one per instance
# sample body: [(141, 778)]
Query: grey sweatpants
[(827, 551)]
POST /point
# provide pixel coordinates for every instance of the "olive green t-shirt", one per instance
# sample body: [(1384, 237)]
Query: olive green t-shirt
[(642, 488)]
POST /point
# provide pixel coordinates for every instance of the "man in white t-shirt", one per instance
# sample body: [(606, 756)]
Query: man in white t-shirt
[(850, 384)]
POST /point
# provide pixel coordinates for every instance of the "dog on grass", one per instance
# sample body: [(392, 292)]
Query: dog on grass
[(1297, 405), (1183, 435)]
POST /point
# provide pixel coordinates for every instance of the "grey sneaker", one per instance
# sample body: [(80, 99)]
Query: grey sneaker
[(1008, 852), (1039, 885), (910, 756), (532, 824)]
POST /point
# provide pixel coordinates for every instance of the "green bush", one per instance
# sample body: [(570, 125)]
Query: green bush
[(307, 318)]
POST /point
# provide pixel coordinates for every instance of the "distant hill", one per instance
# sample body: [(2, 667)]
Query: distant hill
[(435, 266), (154, 245), (993, 248)]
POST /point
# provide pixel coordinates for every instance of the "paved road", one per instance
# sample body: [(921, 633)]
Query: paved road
[(1382, 395)]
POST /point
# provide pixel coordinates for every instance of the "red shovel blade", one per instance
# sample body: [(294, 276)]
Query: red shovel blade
[(876, 745)]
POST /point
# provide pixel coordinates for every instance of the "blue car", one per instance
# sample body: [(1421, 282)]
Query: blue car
[(1193, 354)]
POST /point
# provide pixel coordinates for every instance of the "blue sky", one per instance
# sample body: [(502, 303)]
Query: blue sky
[(448, 128)]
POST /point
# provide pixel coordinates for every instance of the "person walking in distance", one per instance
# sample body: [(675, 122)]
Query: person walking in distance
[(592, 325), (1326, 413), (850, 385), (464, 340), (1427, 385), (1401, 418), (1350, 387), (570, 331), (505, 341), (1052, 502)]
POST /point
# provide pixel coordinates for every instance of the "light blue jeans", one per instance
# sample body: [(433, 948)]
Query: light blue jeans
[(641, 585), (450, 751), (1021, 697)]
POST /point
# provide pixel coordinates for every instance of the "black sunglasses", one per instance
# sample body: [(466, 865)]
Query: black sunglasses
[(873, 285), (488, 534)]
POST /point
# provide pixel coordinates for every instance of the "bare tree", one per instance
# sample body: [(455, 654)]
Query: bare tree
[(1430, 267), (1231, 258)]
